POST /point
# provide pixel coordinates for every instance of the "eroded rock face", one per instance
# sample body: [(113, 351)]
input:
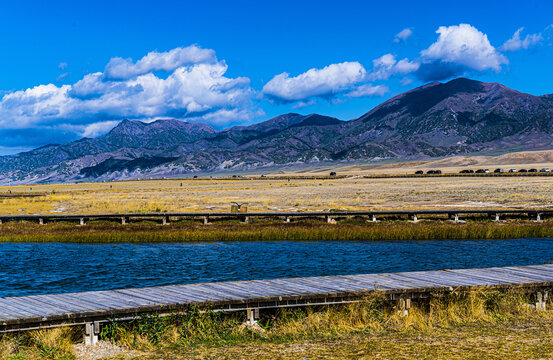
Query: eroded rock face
[(458, 117)]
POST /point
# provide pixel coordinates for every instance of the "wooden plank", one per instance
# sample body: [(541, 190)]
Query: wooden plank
[(447, 279), (377, 282), (151, 299), (180, 290), (415, 283), (10, 308), (421, 282), (493, 280), (194, 293), (534, 278), (46, 309), (109, 300), (532, 272), (228, 292), (247, 288)]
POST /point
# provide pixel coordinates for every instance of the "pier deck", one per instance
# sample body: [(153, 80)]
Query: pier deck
[(94, 307)]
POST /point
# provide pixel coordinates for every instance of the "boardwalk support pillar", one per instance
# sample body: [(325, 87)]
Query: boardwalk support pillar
[(287, 219), (330, 220), (496, 217), (41, 221), (164, 220), (92, 330), (206, 220), (538, 217), (124, 220), (82, 222), (404, 306), (252, 316), (541, 300), (374, 218), (415, 219)]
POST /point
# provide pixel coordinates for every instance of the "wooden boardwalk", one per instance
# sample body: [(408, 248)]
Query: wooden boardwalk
[(94, 307), (165, 218)]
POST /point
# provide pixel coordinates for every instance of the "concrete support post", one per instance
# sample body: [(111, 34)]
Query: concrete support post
[(82, 222), (92, 330), (252, 316), (288, 219), (246, 219), (456, 218), (124, 220), (41, 221), (404, 306), (330, 220), (415, 219), (0, 221), (206, 220), (541, 300), (164, 220), (496, 217), (538, 217), (374, 218)]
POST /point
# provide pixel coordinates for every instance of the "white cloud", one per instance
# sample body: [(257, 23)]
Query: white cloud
[(516, 42), (97, 129), (368, 90), (325, 83), (121, 69), (387, 65), (465, 46), (403, 35), (62, 65), (195, 88)]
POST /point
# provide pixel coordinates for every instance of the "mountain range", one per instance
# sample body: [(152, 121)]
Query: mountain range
[(461, 116)]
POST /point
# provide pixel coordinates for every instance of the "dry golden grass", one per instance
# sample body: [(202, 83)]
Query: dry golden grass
[(281, 195)]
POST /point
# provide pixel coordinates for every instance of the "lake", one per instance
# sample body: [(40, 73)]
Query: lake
[(50, 268)]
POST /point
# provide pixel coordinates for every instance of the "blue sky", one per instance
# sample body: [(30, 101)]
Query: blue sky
[(74, 69)]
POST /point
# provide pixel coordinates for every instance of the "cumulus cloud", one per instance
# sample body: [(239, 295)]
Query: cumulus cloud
[(368, 90), (403, 35), (516, 42), (195, 88), (459, 48), (327, 82), (387, 65), (122, 69)]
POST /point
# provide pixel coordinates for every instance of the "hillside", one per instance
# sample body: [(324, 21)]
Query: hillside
[(459, 117)]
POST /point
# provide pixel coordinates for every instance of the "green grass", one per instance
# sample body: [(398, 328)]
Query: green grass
[(308, 230)]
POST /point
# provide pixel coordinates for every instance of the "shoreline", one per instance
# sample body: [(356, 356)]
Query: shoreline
[(349, 230)]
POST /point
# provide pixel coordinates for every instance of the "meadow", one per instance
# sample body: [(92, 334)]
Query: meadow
[(270, 194)]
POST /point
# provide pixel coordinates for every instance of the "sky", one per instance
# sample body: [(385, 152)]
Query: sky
[(73, 69)]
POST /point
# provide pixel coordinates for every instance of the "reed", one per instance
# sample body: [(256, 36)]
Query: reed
[(270, 231)]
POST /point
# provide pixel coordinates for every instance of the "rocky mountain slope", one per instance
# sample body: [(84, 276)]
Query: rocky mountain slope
[(435, 120)]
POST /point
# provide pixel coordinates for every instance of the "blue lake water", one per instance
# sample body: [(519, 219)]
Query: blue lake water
[(28, 269)]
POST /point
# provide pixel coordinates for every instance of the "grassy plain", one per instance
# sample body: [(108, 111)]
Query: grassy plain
[(355, 193)]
